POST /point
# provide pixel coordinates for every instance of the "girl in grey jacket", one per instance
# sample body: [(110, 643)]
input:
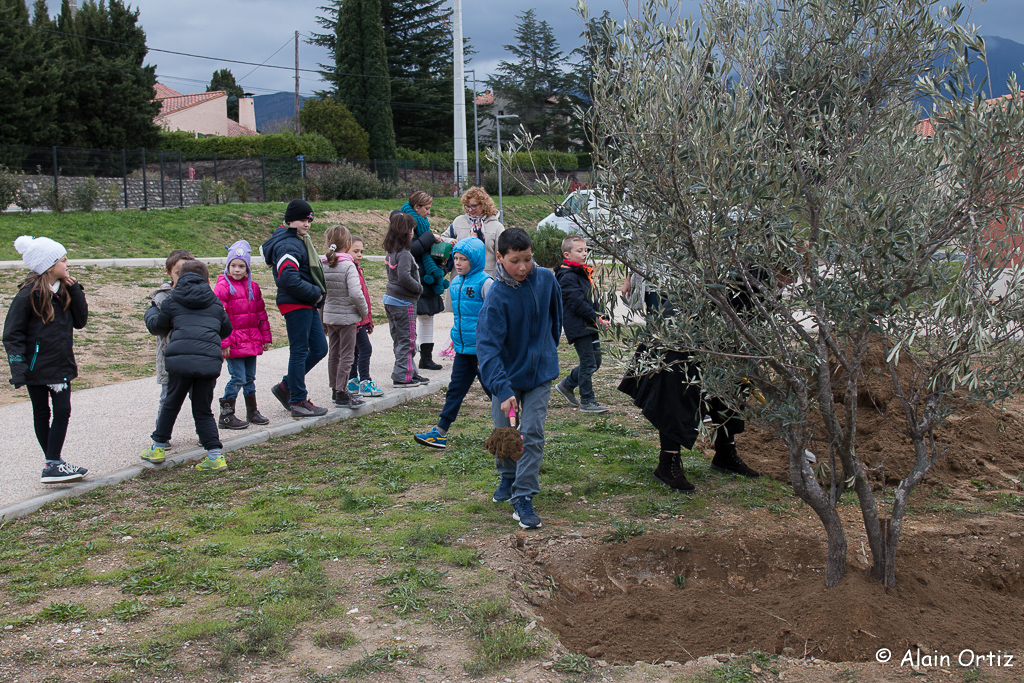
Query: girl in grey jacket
[(403, 289), (344, 307)]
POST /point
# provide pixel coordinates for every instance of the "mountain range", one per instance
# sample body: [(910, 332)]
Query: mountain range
[(1004, 56)]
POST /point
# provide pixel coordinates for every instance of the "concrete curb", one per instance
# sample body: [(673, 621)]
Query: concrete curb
[(144, 262), (390, 400)]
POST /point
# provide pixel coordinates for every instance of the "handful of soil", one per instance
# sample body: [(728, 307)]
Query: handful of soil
[(506, 442)]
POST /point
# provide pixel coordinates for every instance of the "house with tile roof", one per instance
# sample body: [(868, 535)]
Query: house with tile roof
[(203, 113), (999, 249)]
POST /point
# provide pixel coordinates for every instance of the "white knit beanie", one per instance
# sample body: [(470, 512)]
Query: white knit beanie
[(39, 253)]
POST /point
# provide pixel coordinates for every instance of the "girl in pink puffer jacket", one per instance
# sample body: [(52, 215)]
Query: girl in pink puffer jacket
[(250, 335)]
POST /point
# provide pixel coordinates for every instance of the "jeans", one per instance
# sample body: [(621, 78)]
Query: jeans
[(50, 435), (589, 351), (307, 346), (533, 411), (464, 371), (243, 376), (201, 388), (361, 363)]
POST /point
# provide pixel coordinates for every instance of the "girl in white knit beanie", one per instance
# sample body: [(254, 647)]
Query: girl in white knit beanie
[(39, 338)]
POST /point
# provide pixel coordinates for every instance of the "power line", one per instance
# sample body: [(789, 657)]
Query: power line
[(219, 59), (92, 65)]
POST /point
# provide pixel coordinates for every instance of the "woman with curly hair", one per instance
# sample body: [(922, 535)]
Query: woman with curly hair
[(431, 301), (481, 221)]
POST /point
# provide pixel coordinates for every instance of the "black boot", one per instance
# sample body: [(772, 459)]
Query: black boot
[(670, 472), (344, 399), (252, 413), (426, 362), (227, 416), (727, 460)]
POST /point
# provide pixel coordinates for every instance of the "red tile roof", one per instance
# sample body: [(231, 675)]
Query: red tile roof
[(169, 105), (926, 128), (236, 130), (163, 91)]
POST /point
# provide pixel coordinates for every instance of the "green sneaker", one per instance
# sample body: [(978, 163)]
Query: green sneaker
[(208, 465), (153, 454)]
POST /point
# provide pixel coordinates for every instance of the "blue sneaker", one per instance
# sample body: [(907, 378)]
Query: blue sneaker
[(504, 490), (432, 438), (524, 514), (353, 386), (368, 388)]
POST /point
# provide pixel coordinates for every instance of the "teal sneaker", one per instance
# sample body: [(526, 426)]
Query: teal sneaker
[(153, 454), (369, 389), (208, 465), (353, 386), (432, 438)]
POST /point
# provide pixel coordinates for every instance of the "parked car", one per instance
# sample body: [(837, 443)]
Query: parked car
[(577, 208)]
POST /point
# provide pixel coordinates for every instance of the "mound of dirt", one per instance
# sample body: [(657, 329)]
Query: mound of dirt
[(979, 442), (680, 596)]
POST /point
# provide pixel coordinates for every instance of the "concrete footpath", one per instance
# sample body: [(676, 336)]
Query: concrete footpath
[(111, 424)]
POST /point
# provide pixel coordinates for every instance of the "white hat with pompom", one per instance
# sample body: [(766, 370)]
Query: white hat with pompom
[(39, 253)]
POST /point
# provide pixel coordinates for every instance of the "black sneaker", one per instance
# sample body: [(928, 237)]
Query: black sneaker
[(305, 408), (62, 473), (421, 379), (282, 394), (405, 385)]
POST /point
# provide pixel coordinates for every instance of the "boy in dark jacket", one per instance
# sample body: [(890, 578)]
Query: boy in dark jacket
[(581, 321), (301, 287), (195, 321), (516, 346)]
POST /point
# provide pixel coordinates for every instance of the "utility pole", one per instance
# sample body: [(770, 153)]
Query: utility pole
[(459, 88), (298, 131), (476, 128)]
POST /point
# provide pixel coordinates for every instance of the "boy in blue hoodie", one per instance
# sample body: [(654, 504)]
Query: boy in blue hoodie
[(516, 343), (469, 289), (301, 287)]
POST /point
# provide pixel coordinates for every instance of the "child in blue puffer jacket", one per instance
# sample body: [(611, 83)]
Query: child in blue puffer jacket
[(468, 290)]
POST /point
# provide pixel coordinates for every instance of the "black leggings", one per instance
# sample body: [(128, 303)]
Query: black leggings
[(722, 438), (361, 360), (50, 435)]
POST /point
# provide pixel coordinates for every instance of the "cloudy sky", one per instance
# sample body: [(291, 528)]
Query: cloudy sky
[(262, 31)]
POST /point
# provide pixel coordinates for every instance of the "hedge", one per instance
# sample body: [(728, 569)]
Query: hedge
[(288, 144)]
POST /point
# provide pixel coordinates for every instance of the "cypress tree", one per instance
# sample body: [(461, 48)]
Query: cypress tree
[(359, 76), (223, 79)]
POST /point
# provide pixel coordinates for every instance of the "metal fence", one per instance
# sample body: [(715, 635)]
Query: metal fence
[(59, 178)]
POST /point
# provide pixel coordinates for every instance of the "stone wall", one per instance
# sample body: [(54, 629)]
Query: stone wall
[(38, 190)]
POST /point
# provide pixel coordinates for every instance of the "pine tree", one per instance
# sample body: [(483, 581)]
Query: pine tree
[(598, 52), (28, 78), (107, 94), (359, 76), (536, 85), (224, 80)]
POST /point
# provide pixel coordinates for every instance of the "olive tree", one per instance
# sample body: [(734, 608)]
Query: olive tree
[(767, 175)]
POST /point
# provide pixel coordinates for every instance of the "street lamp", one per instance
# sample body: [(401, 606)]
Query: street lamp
[(497, 122), (476, 129)]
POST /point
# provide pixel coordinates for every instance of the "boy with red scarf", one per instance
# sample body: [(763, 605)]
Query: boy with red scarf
[(581, 321)]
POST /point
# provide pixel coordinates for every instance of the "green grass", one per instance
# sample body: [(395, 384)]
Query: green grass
[(205, 230)]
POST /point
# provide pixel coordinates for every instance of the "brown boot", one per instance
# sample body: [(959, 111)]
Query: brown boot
[(670, 472), (227, 416), (728, 460), (252, 413)]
